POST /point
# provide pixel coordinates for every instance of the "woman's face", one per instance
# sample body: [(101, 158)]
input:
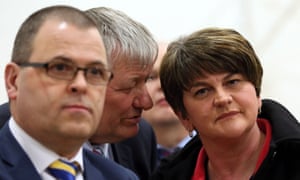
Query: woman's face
[(221, 106)]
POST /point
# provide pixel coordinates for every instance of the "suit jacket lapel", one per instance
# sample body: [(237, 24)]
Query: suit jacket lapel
[(15, 159), (90, 169), (122, 154)]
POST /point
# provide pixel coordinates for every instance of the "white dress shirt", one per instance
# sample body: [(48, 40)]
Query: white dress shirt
[(40, 156)]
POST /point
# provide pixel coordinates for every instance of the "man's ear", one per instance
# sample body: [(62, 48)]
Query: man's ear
[(11, 74)]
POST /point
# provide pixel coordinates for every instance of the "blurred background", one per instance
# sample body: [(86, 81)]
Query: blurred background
[(272, 27)]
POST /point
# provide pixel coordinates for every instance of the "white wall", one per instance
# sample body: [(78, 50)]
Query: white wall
[(272, 26)]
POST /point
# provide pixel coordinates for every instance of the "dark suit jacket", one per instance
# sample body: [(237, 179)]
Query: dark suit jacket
[(17, 164), (3, 173), (4, 113), (137, 153)]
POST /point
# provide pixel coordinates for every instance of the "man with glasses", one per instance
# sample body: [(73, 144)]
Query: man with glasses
[(56, 84)]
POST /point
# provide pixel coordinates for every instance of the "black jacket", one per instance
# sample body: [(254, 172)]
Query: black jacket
[(282, 161), (139, 152)]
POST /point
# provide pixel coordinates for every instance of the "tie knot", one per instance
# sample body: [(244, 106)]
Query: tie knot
[(98, 149), (63, 170)]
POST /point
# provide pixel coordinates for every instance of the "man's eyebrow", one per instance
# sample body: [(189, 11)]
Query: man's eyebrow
[(68, 59)]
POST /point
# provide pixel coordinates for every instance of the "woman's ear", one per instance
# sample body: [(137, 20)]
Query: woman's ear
[(259, 104), (185, 121), (11, 73)]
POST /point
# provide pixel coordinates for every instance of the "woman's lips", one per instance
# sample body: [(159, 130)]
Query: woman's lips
[(227, 115)]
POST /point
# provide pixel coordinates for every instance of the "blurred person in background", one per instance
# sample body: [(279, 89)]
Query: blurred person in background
[(171, 135)]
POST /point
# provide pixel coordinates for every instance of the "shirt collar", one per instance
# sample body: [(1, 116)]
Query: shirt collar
[(40, 155), (104, 147)]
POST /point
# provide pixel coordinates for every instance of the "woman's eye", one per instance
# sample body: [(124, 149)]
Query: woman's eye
[(233, 81), (201, 92)]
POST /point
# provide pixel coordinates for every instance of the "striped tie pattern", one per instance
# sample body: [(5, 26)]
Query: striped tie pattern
[(63, 170)]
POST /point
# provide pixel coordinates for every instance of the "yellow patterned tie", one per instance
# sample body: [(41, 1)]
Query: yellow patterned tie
[(63, 170)]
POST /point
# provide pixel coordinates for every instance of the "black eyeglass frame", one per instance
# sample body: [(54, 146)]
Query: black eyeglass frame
[(106, 78)]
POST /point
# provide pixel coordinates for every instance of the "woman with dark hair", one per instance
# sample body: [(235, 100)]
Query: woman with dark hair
[(212, 79)]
